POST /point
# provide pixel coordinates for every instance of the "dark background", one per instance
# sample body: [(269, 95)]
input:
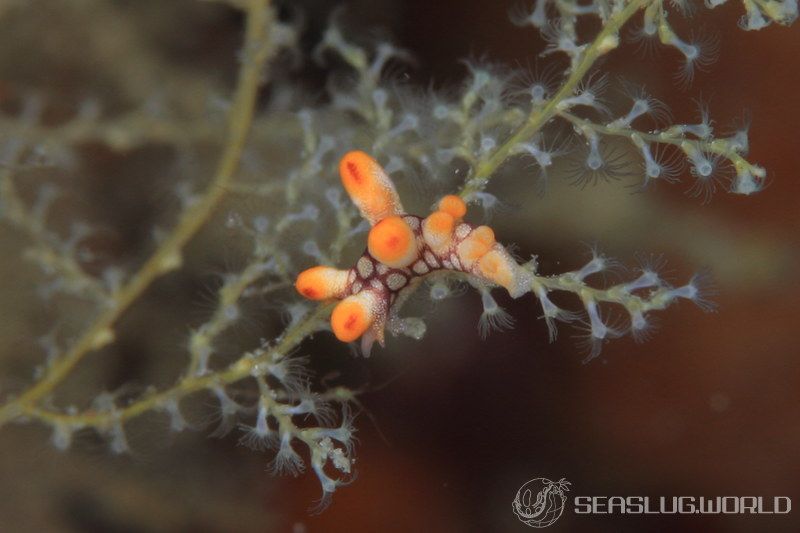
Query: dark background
[(455, 425)]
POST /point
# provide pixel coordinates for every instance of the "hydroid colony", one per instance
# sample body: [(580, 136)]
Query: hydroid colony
[(494, 118)]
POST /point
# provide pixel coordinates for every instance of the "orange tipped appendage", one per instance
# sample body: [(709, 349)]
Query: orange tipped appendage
[(354, 315), (475, 245), (453, 205), (437, 230), (369, 187), (392, 242), (321, 283), (498, 267), (400, 249), (483, 235)]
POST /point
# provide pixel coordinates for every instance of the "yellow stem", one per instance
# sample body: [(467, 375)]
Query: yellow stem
[(541, 116), (168, 255), (239, 370)]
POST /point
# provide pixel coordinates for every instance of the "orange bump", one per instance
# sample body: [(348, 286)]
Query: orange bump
[(475, 245), (392, 242), (321, 282), (437, 229), (369, 187), (353, 316), (454, 205), (483, 235), (495, 267)]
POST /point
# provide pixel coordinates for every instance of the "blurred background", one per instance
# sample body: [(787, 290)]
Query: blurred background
[(453, 425)]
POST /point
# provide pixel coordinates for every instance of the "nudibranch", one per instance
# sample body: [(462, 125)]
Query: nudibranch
[(401, 250)]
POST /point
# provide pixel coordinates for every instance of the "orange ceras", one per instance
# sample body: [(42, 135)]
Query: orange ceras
[(321, 283), (353, 316), (401, 249), (392, 242), (453, 205), (437, 230)]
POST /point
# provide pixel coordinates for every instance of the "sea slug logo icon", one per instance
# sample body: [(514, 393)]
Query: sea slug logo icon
[(540, 502)]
